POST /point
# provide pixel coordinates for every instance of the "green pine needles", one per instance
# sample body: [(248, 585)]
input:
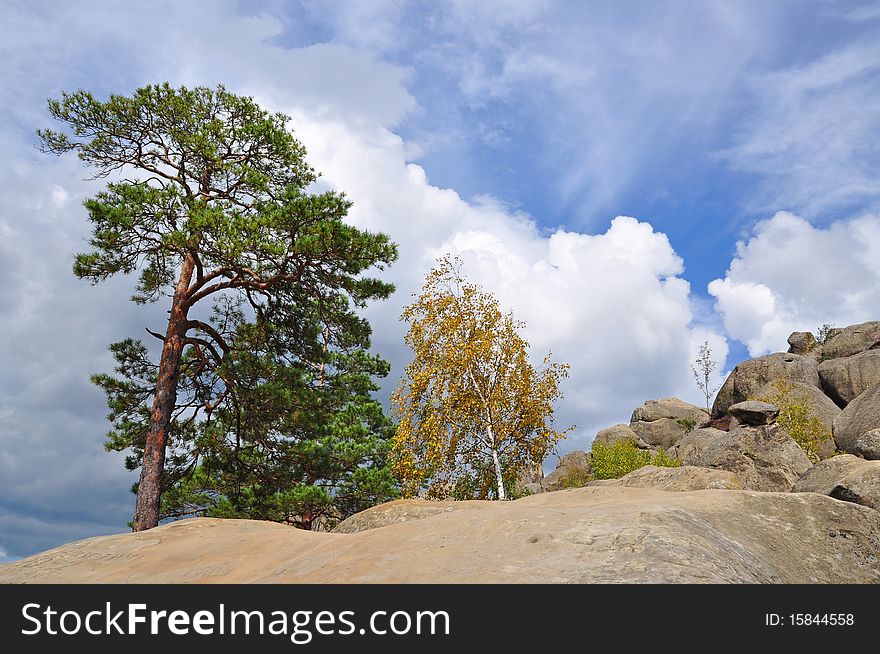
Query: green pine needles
[(264, 409)]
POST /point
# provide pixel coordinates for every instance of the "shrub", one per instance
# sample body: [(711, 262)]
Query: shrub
[(665, 461), (826, 332), (796, 416), (574, 477), (622, 457), (687, 423)]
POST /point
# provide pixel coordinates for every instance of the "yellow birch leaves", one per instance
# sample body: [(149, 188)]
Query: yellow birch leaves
[(469, 392)]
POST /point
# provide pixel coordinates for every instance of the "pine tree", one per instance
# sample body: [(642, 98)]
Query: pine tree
[(210, 201)]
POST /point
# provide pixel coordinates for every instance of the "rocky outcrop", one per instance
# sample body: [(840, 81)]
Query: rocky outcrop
[(660, 423), (754, 413), (529, 479), (392, 513), (586, 535), (856, 428), (801, 404), (662, 433), (852, 340), (750, 376), (804, 343), (690, 447), (724, 423), (573, 469), (684, 478), (845, 477), (868, 444), (845, 379), (819, 404), (764, 458), (621, 432), (668, 407)]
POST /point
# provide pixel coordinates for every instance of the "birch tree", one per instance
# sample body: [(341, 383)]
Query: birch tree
[(473, 411)]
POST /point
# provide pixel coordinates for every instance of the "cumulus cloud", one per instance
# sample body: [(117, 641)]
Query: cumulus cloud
[(612, 304), (792, 276)]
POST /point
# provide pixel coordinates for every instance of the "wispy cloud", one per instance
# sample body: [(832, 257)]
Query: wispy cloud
[(810, 137)]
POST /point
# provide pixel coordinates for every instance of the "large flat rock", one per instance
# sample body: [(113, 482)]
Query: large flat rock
[(683, 478), (597, 534)]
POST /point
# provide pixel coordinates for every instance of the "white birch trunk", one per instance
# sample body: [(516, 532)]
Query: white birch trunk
[(499, 478)]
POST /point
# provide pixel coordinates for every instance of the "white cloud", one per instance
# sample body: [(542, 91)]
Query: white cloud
[(791, 276), (611, 304), (59, 196)]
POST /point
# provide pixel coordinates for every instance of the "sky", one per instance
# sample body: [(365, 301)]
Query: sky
[(631, 179)]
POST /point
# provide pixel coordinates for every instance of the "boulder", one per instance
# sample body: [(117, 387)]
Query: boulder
[(765, 458), (855, 428), (868, 444), (750, 376), (611, 435), (845, 379), (573, 469), (684, 478), (534, 488), (669, 407), (531, 473), (852, 340), (662, 433), (690, 447), (585, 535), (820, 405), (660, 423), (788, 394), (754, 413), (529, 479), (724, 423), (845, 477), (804, 343)]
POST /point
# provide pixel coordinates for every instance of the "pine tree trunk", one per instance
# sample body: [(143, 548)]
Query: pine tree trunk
[(146, 514)]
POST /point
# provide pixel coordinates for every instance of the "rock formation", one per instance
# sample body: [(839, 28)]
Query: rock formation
[(765, 458), (819, 404), (660, 423), (845, 477), (857, 428), (852, 340), (845, 379), (573, 469), (585, 535), (684, 478), (753, 413), (750, 376), (804, 343), (620, 432)]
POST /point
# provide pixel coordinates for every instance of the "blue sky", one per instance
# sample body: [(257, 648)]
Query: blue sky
[(630, 178)]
